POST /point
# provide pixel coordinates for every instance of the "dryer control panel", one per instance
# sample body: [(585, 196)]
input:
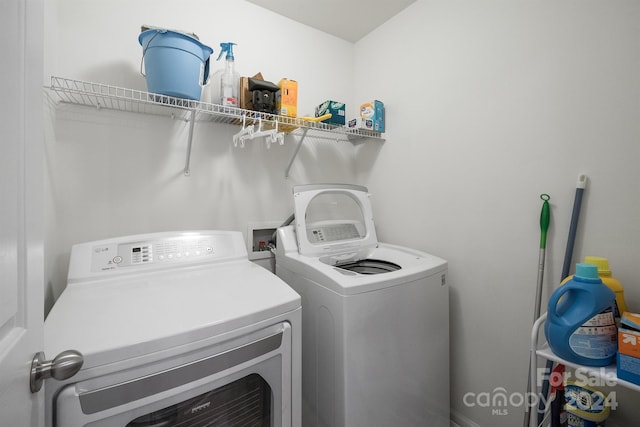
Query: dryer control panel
[(153, 251), (156, 251)]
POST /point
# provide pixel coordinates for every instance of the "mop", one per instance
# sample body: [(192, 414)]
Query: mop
[(544, 226)]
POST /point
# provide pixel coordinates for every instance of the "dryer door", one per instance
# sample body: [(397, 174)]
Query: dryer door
[(333, 218), (246, 381)]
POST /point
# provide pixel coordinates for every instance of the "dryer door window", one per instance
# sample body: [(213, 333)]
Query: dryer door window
[(246, 401)]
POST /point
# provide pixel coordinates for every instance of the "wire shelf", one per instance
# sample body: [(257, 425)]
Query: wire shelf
[(101, 95)]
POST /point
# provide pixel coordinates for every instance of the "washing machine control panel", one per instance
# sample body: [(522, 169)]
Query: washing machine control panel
[(333, 232), (172, 250)]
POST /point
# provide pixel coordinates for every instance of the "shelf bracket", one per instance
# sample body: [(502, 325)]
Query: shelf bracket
[(192, 122), (295, 153)]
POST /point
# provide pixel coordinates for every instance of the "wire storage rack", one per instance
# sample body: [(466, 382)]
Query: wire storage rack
[(600, 376), (100, 95)]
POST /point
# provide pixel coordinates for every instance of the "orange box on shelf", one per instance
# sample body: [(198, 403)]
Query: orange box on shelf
[(287, 98), (628, 357)]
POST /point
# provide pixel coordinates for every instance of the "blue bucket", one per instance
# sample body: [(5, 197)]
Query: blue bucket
[(176, 64)]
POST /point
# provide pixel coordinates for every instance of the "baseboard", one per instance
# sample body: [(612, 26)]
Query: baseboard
[(459, 420)]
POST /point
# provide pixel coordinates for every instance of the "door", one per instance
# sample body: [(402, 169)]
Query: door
[(21, 199)]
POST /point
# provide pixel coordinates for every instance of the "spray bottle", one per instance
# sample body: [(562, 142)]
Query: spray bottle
[(230, 79)]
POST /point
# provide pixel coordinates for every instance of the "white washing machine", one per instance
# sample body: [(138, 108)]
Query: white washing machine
[(375, 317), (176, 329)]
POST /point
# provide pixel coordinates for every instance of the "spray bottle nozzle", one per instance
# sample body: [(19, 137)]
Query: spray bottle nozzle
[(226, 47)]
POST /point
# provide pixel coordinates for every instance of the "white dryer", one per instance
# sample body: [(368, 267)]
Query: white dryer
[(176, 329), (375, 340)]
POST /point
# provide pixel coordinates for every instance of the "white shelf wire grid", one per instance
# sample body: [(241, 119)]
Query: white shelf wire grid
[(100, 95)]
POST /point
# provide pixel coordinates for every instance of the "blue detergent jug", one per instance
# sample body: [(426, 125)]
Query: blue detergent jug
[(580, 324)]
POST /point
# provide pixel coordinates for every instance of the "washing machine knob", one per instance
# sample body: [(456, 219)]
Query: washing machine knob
[(63, 366)]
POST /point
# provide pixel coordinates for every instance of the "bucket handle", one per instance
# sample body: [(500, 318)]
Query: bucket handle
[(205, 77), (144, 50)]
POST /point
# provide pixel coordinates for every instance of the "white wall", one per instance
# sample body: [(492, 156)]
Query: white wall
[(114, 173), (490, 104)]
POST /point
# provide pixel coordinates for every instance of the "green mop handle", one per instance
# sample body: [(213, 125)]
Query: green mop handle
[(544, 226), (544, 220)]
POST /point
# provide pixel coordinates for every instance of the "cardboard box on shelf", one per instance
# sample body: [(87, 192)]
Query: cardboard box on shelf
[(628, 358), (246, 99), (337, 110), (287, 100), (372, 115)]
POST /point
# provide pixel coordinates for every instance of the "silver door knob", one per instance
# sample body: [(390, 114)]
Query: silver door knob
[(63, 366)]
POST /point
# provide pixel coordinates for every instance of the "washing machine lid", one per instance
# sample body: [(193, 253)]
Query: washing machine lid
[(333, 218)]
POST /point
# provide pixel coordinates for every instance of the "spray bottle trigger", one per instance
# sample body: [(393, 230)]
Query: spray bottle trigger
[(228, 48), (222, 50)]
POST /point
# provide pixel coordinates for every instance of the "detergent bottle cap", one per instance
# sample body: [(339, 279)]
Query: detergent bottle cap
[(601, 263), (226, 47), (587, 273)]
